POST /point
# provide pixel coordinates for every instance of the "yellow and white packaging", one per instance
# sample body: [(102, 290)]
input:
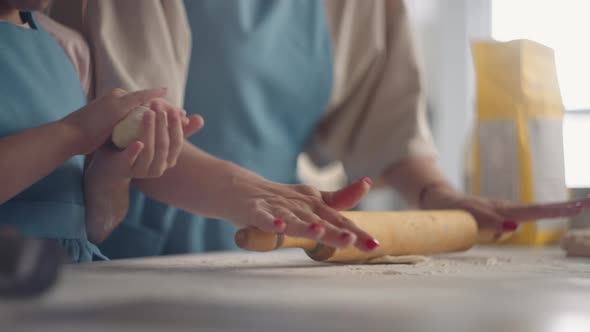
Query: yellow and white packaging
[(517, 148)]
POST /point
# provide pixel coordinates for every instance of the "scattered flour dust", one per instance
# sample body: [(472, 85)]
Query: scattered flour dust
[(388, 259), (423, 266)]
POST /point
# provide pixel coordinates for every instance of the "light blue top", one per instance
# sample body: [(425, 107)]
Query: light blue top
[(261, 76), (38, 85)]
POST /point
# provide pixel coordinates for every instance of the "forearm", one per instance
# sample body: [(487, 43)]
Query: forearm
[(107, 203), (30, 155), (199, 183), (411, 177)]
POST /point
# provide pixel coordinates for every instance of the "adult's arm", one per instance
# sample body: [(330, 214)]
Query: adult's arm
[(205, 185), (376, 117)]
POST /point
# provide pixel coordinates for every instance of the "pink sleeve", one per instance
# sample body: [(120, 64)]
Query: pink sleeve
[(74, 45)]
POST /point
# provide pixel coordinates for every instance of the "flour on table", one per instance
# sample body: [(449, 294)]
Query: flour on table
[(577, 242), (388, 259)]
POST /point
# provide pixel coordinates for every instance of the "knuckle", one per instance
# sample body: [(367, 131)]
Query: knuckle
[(315, 202), (254, 205), (153, 174), (117, 92), (307, 190), (157, 105), (159, 170), (345, 221), (287, 215), (310, 218)]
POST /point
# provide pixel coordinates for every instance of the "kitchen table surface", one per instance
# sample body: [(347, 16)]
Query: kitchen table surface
[(484, 289)]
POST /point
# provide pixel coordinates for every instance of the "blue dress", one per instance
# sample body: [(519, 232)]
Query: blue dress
[(39, 85), (261, 76)]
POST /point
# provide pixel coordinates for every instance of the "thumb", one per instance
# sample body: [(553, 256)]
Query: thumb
[(348, 197), (133, 151), (195, 124), (122, 161)]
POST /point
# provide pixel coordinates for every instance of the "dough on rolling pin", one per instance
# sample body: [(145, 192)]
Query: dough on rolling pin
[(577, 242), (128, 129), (388, 259)]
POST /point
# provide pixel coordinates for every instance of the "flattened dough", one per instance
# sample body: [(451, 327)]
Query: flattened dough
[(128, 129), (388, 259), (577, 242)]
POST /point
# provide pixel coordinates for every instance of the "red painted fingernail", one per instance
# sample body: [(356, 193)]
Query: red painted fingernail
[(368, 181), (345, 236), (509, 226), (278, 223), (314, 227), (371, 244)]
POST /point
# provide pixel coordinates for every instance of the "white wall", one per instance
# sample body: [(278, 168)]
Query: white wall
[(444, 30)]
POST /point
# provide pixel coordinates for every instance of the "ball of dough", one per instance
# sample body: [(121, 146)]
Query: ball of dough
[(129, 128), (577, 242)]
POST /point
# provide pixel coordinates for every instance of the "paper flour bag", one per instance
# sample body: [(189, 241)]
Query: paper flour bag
[(518, 144)]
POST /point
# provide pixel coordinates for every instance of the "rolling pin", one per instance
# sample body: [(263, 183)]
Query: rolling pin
[(400, 233)]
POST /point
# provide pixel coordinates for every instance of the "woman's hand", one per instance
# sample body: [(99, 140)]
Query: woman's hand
[(302, 211), (497, 217), (423, 184)]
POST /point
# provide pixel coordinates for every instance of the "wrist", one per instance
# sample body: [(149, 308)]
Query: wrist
[(237, 186), (99, 182), (430, 195), (107, 202), (71, 137)]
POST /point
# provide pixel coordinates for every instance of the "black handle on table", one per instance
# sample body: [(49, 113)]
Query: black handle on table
[(28, 267)]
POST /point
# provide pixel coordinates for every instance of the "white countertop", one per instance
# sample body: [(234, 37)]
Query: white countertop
[(485, 289)]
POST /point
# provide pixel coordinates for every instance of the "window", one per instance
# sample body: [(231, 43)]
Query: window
[(564, 26)]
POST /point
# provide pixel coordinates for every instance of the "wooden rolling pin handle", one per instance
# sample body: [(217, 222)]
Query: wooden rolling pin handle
[(254, 239)]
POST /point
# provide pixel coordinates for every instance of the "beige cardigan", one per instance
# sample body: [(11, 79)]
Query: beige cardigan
[(376, 116)]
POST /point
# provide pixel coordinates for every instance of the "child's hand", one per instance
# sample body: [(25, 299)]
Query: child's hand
[(110, 171), (93, 124), (303, 211), (157, 148)]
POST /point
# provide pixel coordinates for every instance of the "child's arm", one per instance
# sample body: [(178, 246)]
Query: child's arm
[(214, 188), (32, 154)]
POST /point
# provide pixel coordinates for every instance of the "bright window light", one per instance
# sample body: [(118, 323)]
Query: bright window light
[(560, 24), (564, 26)]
